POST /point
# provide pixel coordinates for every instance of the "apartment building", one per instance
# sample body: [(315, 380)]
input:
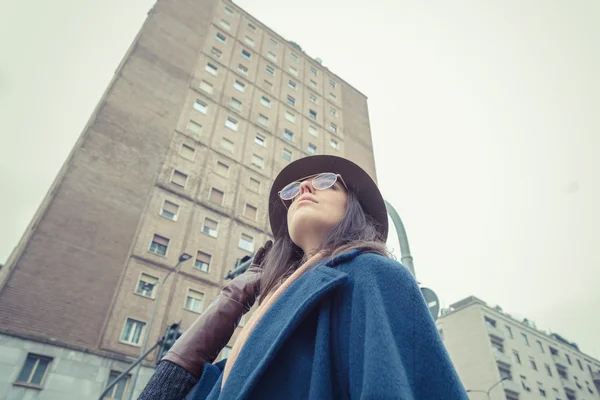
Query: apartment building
[(206, 107), (512, 359)]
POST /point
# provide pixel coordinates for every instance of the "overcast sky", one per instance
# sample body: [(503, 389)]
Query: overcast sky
[(485, 121)]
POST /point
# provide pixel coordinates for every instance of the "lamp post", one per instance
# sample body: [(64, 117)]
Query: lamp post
[(183, 257), (490, 389)]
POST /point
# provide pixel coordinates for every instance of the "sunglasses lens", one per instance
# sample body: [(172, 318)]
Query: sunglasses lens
[(290, 191), (324, 181)]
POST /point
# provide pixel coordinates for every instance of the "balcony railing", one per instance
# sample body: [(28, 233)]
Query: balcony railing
[(560, 361), (596, 377), (495, 332), (568, 385), (502, 358), (511, 386)]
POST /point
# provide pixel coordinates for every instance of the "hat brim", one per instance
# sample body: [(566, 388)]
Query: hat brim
[(357, 180)]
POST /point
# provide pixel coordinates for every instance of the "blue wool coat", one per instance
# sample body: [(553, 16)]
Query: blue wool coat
[(355, 326)]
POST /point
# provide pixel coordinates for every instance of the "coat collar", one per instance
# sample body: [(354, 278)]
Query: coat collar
[(280, 320)]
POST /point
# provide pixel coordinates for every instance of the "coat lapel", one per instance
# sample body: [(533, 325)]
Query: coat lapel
[(279, 322)]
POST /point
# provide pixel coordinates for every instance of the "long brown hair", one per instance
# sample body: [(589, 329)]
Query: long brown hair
[(355, 230)]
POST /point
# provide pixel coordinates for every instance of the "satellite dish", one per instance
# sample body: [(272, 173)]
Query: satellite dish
[(432, 301)]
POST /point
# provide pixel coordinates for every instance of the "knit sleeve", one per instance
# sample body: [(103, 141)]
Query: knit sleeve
[(169, 382)]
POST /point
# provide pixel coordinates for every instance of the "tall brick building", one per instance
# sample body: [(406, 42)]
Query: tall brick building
[(206, 107)]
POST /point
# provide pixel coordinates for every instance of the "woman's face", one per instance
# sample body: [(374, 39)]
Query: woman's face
[(313, 213)]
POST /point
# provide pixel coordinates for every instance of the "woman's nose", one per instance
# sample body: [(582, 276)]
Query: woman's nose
[(306, 187)]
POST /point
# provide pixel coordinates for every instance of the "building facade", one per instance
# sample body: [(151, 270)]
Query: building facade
[(488, 345), (206, 107)]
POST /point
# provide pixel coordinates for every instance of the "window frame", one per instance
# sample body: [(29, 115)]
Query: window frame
[(216, 230), (166, 246), (207, 265), (185, 301), (242, 238), (38, 358), (162, 208), (142, 333), (241, 85), (154, 288)]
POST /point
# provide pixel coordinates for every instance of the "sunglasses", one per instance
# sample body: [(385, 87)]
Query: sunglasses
[(319, 182)]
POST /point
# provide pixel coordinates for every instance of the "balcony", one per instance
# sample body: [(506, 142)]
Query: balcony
[(568, 386), (596, 377), (511, 386), (502, 358), (560, 361), (495, 332)]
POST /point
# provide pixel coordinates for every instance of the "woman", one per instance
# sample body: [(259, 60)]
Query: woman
[(336, 319)]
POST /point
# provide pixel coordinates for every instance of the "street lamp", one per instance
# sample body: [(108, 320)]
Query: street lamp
[(490, 389), (183, 257)]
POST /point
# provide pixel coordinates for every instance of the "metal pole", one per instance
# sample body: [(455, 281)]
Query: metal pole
[(406, 259), (149, 329), (136, 362), (489, 390)]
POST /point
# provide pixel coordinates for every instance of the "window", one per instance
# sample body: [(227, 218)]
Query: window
[(568, 359), (132, 331), (250, 212), (240, 86), (294, 57), (200, 106), (254, 185), (548, 370), (263, 120), (273, 43), (227, 145), (313, 131), (235, 104), (222, 169), (231, 124), (260, 140), (334, 143), (580, 365), (333, 127), (34, 370), (556, 394), (313, 71), (169, 210), (312, 114), (216, 196), (333, 112), (589, 388), (291, 100), (312, 149), (517, 357), (290, 117), (179, 178), (206, 87), (118, 391), (146, 285), (216, 52), (293, 71), (246, 54), (332, 96), (541, 389), (194, 128), (313, 84), (249, 41), (525, 339), (225, 24), (540, 346), (271, 56), (332, 83), (490, 322), (258, 161), (211, 69), (270, 70), (194, 300), (159, 245), (268, 85), (265, 102), (533, 364), (220, 37), (313, 99), (242, 69), (286, 154), (187, 152), (202, 261), (288, 135), (525, 384), (228, 11), (210, 227), (292, 84), (509, 331), (251, 28), (246, 243), (577, 382)]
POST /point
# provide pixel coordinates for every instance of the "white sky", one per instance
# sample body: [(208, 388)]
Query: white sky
[(485, 120)]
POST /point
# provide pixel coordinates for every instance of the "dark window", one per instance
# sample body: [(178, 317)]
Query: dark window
[(34, 370)]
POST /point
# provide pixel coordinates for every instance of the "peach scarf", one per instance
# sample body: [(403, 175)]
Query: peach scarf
[(260, 311)]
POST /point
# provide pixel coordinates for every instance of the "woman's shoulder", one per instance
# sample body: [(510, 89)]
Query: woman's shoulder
[(368, 266)]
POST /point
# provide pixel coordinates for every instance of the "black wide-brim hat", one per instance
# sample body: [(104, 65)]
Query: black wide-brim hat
[(357, 180)]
